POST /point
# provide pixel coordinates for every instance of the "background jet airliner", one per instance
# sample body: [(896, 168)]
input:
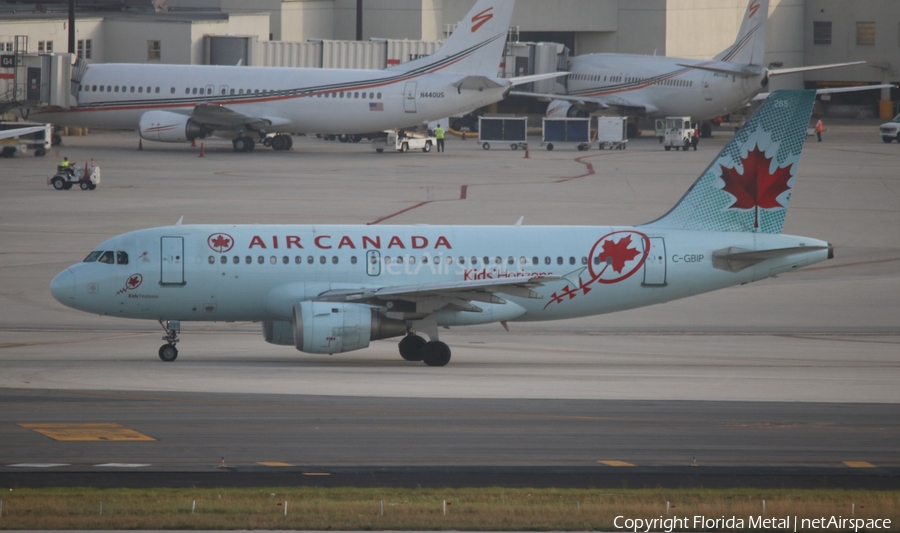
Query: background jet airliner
[(177, 103), (657, 86), (330, 288)]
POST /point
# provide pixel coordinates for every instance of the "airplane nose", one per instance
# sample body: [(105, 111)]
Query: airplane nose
[(63, 287)]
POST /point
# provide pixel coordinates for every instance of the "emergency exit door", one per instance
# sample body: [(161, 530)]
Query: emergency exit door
[(373, 262), (707, 86), (171, 261), (655, 264), (409, 97)]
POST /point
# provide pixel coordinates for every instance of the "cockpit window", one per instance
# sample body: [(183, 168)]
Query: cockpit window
[(121, 258), (93, 256), (106, 257)]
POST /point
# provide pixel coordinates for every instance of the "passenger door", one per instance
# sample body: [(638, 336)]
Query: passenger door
[(409, 97), (655, 264), (171, 261)]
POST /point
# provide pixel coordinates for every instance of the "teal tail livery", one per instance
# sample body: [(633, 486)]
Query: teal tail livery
[(748, 186), (327, 289)]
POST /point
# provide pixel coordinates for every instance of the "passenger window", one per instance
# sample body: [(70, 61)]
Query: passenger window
[(559, 260), (334, 259), (212, 260), (387, 259), (121, 258), (523, 260), (106, 257), (571, 260), (462, 260), (237, 260), (342, 94), (273, 260), (322, 259), (93, 256), (510, 260), (101, 88), (355, 95), (157, 90), (310, 260), (363, 96), (248, 260), (194, 90), (424, 259), (298, 260), (172, 90), (584, 260), (547, 260), (231, 92), (412, 259), (400, 260), (474, 260), (449, 260), (535, 260), (224, 259), (260, 260), (487, 260), (285, 260), (353, 260)]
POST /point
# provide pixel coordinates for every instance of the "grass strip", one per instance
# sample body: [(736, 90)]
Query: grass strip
[(403, 509)]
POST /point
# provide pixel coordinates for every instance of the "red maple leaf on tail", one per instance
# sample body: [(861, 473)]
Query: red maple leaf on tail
[(616, 254), (756, 188)]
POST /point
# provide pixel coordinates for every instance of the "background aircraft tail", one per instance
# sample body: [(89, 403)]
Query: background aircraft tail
[(750, 46), (748, 185), (476, 46)]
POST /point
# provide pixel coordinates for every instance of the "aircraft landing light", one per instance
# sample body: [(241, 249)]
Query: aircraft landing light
[(859, 464), (273, 463), (88, 432), (615, 463)]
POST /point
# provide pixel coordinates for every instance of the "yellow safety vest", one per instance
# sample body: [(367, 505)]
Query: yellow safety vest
[(439, 132)]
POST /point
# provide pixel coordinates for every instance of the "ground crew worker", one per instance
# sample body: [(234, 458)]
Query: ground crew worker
[(439, 134), (695, 137), (65, 166), (819, 129)]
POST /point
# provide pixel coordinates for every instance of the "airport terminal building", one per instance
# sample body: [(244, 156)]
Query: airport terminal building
[(324, 32)]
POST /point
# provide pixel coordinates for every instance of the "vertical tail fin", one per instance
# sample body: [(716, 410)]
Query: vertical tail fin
[(475, 48), (750, 46), (748, 185)]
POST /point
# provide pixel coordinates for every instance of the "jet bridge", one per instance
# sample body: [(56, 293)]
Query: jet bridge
[(38, 80)]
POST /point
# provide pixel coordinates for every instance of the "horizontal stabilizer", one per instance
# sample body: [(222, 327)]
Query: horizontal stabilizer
[(733, 259), (794, 70), (477, 83)]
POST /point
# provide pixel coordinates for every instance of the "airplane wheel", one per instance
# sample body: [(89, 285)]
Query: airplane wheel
[(239, 144), (58, 183), (290, 142), (168, 353), (278, 143), (249, 143), (411, 347), (267, 142), (436, 353)]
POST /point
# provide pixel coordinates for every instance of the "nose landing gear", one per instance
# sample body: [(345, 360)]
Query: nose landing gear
[(168, 352)]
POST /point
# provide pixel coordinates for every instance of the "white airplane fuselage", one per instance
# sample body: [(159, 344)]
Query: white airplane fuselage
[(303, 100), (267, 269), (660, 83)]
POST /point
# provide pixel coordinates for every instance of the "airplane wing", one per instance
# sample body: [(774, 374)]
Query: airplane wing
[(455, 294), (835, 90), (6, 134), (221, 117), (794, 70), (485, 82), (724, 67), (593, 103)]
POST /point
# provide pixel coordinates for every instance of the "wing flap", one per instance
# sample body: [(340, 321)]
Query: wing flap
[(222, 117)]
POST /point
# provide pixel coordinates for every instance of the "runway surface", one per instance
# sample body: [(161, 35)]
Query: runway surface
[(794, 376)]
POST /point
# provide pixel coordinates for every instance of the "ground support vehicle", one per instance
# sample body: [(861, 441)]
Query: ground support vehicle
[(566, 130), (612, 133), (678, 133), (87, 178), (505, 130), (890, 131), (402, 141), (20, 137)]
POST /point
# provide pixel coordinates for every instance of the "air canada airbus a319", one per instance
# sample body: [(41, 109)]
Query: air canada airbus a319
[(328, 289)]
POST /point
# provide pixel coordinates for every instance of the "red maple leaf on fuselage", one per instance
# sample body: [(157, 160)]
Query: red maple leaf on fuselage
[(221, 242), (756, 187), (618, 253)]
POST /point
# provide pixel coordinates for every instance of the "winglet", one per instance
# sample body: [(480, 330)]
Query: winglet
[(519, 222), (180, 220)]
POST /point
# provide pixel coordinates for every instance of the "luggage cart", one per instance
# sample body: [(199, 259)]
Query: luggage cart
[(567, 130), (612, 133), (509, 130)]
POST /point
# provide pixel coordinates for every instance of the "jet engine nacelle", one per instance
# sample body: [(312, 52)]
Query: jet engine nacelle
[(279, 332), (563, 109), (331, 327), (170, 127)]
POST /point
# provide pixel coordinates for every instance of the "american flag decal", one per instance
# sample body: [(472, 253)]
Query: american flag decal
[(376, 106)]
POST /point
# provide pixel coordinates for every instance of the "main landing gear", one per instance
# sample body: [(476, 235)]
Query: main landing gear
[(279, 142), (168, 352), (243, 144), (432, 353)]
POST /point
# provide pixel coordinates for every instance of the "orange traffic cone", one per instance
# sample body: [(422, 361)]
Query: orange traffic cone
[(140, 144), (201, 150), (526, 153), (193, 143)]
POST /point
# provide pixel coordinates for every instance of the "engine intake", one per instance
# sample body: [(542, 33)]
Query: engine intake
[(166, 126), (330, 327)]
